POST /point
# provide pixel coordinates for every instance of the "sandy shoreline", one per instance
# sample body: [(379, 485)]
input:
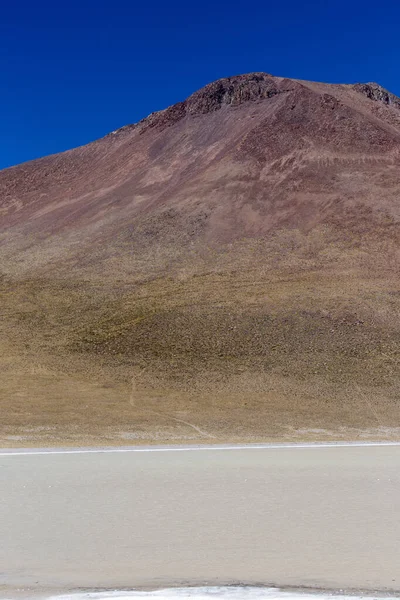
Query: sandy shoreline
[(115, 438), (38, 450)]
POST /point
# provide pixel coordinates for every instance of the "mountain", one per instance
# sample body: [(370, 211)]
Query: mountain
[(227, 268)]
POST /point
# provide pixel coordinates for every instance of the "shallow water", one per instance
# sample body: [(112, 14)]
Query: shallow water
[(295, 517)]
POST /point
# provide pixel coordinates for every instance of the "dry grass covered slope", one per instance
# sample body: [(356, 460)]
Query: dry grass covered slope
[(226, 269)]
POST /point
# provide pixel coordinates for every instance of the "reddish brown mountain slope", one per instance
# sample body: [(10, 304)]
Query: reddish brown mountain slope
[(237, 254), (241, 157)]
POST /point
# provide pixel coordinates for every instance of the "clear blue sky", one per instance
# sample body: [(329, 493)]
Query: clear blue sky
[(73, 71)]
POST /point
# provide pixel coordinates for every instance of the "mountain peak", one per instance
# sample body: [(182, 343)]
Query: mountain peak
[(227, 91), (238, 89), (232, 91)]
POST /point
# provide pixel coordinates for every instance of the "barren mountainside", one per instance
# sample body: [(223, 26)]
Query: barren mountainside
[(227, 268)]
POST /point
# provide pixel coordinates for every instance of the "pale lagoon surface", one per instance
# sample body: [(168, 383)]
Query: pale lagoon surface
[(290, 517)]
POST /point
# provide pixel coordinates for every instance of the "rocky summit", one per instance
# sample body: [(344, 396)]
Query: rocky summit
[(227, 268)]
